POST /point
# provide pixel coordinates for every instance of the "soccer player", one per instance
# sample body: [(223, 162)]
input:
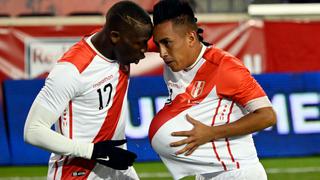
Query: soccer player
[(85, 97), (214, 103)]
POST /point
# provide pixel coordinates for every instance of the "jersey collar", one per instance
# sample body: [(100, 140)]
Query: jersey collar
[(88, 41), (203, 49)]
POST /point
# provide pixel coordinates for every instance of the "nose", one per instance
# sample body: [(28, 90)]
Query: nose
[(163, 52)]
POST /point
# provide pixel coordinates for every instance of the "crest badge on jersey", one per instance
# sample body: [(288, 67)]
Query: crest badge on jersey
[(197, 88)]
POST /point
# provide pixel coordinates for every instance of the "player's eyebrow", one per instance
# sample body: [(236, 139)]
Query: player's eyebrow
[(164, 40)]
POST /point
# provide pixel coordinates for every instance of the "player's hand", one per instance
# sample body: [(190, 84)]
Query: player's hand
[(200, 134), (108, 154)]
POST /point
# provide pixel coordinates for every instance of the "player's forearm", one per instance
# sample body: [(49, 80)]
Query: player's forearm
[(252, 122), (37, 132)]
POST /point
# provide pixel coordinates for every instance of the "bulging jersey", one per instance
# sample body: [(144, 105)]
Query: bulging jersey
[(88, 92), (217, 90)]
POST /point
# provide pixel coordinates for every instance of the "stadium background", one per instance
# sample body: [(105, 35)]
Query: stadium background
[(278, 42)]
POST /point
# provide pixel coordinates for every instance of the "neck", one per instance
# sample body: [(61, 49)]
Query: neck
[(103, 44), (194, 53)]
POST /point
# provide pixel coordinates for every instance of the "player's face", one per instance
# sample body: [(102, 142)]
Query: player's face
[(132, 45), (174, 45)]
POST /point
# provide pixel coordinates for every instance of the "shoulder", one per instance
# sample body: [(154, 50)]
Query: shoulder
[(64, 69), (80, 55), (221, 58), (214, 54), (224, 60), (64, 74)]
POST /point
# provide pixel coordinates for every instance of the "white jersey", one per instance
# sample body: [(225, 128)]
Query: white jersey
[(217, 89), (88, 92)]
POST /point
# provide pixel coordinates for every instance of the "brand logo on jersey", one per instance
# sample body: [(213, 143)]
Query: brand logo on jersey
[(78, 173), (103, 81), (197, 88)]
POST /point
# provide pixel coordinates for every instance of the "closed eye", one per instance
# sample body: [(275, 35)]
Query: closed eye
[(141, 44), (165, 42)]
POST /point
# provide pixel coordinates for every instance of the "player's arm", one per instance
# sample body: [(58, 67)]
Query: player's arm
[(237, 84), (201, 133), (60, 86), (37, 131)]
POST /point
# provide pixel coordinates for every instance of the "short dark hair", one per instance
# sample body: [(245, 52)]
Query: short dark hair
[(177, 11), (126, 12)]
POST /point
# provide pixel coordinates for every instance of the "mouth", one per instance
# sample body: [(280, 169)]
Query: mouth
[(168, 62)]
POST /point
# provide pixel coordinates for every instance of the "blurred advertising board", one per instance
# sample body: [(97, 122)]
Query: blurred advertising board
[(63, 8), (294, 96), (4, 146), (29, 52)]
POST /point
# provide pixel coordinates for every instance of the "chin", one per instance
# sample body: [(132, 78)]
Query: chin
[(175, 69)]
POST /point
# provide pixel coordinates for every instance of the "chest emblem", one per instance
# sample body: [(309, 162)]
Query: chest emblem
[(197, 88)]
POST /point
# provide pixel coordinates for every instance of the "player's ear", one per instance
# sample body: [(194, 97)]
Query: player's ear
[(192, 38), (114, 36)]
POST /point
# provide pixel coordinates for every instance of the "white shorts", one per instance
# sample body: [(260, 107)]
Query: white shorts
[(106, 173), (255, 172)]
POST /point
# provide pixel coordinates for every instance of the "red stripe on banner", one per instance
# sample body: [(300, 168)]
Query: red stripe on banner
[(111, 121), (238, 165), (70, 120), (184, 100)]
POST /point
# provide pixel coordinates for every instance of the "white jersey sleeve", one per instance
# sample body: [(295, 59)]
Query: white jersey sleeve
[(258, 103), (61, 85)]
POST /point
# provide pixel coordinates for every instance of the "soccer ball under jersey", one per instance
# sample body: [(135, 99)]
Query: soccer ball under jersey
[(217, 90)]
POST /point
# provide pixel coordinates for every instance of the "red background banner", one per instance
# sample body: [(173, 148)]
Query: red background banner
[(264, 46), (292, 46)]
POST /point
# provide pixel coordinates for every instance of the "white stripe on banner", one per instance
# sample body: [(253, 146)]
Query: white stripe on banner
[(294, 170), (224, 42), (11, 70)]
